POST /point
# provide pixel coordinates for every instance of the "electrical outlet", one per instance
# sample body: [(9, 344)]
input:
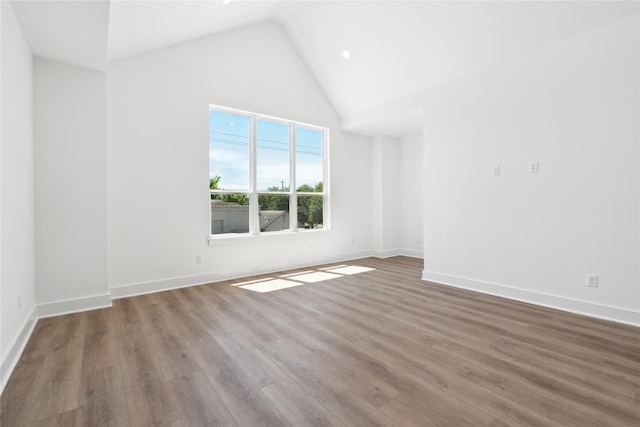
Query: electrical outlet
[(533, 167), (495, 171), (198, 259), (592, 280)]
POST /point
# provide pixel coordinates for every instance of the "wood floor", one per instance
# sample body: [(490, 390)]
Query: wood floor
[(360, 348)]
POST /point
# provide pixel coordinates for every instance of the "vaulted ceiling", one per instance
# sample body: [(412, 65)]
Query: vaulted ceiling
[(398, 49)]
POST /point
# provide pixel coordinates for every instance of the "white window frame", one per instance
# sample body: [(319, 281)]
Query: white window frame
[(253, 193)]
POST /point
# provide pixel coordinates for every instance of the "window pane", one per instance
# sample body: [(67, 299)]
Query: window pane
[(308, 159), (310, 211), (229, 213), (251, 178), (229, 150), (274, 212), (272, 158)]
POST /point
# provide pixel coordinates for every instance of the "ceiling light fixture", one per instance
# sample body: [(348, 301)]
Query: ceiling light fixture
[(226, 1), (346, 54)]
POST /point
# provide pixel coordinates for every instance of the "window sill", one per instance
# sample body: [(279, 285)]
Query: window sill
[(230, 237)]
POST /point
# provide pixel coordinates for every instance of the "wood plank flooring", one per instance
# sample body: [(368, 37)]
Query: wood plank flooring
[(374, 348)]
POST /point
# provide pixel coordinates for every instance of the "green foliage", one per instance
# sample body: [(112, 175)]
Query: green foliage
[(310, 210), (315, 210), (309, 207), (271, 202), (305, 188), (213, 182), (240, 199), (303, 211)]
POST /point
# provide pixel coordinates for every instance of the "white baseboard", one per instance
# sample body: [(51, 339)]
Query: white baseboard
[(42, 311), (59, 308), (386, 254), (411, 254), (133, 289), (397, 252), (152, 286), (17, 347), (586, 308)]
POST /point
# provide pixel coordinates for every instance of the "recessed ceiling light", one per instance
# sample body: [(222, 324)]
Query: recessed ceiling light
[(346, 54), (226, 1)]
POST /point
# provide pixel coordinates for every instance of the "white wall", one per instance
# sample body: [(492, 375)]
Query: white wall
[(157, 127), (396, 196), (377, 214), (409, 199), (574, 107), (17, 222), (390, 189), (70, 187), (384, 196)]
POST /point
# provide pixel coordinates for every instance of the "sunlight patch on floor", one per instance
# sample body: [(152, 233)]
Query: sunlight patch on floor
[(269, 284), (333, 266), (317, 276), (296, 273), (350, 269), (252, 281)]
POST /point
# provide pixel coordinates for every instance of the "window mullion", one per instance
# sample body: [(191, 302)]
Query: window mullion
[(254, 207), (325, 181), (229, 211), (293, 197)]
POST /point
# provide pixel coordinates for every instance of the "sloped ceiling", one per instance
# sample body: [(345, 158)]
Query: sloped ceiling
[(74, 32), (140, 26), (398, 48)]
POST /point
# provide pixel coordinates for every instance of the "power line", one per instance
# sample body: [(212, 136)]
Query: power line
[(263, 147), (261, 139), (229, 134)]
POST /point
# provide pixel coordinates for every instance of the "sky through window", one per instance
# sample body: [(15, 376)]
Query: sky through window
[(229, 153)]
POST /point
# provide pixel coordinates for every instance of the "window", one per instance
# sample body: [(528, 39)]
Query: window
[(266, 174)]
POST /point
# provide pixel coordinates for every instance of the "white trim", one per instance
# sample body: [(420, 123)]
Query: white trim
[(238, 112), (326, 174), (254, 207), (16, 348), (397, 252), (221, 191), (253, 193), (228, 238), (616, 314), (58, 308), (142, 288), (293, 194), (411, 254)]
